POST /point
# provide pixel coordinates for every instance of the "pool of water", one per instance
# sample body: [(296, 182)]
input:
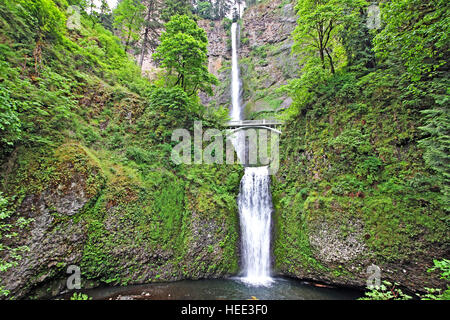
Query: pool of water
[(223, 289)]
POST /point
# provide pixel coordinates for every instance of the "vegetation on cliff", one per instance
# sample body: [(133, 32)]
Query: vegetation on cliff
[(364, 167), (85, 141), (85, 155)]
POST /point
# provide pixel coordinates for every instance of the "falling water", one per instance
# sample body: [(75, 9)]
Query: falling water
[(236, 113), (255, 199)]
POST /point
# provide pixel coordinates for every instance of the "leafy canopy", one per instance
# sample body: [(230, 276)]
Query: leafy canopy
[(129, 18), (183, 53), (318, 26), (416, 33), (44, 15)]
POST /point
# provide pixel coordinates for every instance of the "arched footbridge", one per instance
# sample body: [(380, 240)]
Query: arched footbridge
[(272, 125)]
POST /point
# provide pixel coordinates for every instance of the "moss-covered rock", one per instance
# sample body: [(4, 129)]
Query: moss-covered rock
[(53, 193), (353, 190), (265, 57), (121, 227)]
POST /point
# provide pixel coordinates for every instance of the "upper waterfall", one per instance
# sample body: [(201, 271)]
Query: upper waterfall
[(236, 112)]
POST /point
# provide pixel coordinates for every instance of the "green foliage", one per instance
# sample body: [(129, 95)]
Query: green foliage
[(174, 103), (175, 7), (436, 294), (328, 37), (437, 144), (183, 52), (351, 144), (44, 16), (173, 109), (318, 26), (129, 18), (218, 9), (443, 266), (386, 291), (80, 296), (417, 34), (77, 106), (10, 127), (352, 152), (205, 9), (226, 23), (414, 46)]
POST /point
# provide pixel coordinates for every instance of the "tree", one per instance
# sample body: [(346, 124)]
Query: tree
[(48, 20), (48, 23), (213, 9), (318, 26), (106, 15), (183, 52), (151, 28), (175, 7), (205, 9), (221, 8), (357, 41), (129, 18)]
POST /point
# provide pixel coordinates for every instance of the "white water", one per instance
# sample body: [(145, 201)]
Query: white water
[(255, 199), (236, 113)]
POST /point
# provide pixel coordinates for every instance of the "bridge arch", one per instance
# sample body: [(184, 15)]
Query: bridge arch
[(271, 125), (252, 127)]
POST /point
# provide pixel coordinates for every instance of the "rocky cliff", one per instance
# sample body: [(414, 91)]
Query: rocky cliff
[(265, 58), (120, 221), (266, 62)]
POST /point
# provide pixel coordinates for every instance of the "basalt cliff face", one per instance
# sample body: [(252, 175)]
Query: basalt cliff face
[(265, 58), (113, 225), (266, 61)]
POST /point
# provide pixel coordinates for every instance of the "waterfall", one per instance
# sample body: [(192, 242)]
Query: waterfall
[(255, 199), (236, 113)]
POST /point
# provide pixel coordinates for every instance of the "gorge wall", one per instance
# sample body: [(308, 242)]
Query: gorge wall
[(351, 190), (265, 58), (118, 225)]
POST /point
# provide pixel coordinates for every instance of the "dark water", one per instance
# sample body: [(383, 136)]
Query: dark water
[(223, 289)]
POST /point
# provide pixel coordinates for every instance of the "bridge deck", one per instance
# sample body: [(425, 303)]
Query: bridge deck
[(254, 123)]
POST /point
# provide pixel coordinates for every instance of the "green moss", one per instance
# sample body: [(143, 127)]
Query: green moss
[(356, 159)]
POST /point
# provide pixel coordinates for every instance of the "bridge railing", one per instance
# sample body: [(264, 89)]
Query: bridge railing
[(262, 122)]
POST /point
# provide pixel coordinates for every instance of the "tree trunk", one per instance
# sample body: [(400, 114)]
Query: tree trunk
[(127, 43), (145, 40), (144, 48), (331, 61), (322, 57)]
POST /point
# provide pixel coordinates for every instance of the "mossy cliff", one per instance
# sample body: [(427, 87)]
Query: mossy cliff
[(266, 62), (353, 190), (89, 181), (121, 220)]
